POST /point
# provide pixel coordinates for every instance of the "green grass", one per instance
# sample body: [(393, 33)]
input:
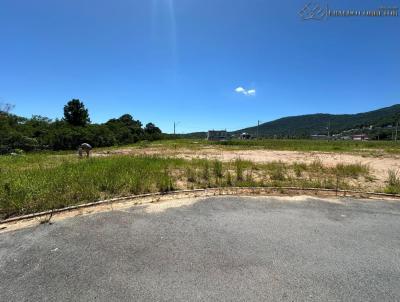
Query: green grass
[(393, 186), (351, 170), (239, 166), (41, 186), (43, 181), (217, 169)]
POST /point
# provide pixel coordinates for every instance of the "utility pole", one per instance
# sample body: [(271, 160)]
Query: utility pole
[(258, 126), (329, 128), (175, 124), (397, 127)]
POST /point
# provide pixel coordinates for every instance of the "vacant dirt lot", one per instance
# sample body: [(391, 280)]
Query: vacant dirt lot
[(380, 165)]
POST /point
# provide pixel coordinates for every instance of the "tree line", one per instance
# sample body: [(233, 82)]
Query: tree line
[(41, 133)]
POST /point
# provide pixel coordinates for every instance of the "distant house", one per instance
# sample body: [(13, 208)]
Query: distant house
[(245, 135), (320, 136), (217, 135), (360, 137)]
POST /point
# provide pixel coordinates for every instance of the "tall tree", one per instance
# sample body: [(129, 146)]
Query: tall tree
[(6, 108), (152, 129), (128, 121), (75, 113)]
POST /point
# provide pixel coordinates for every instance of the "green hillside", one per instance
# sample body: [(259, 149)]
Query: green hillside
[(306, 125)]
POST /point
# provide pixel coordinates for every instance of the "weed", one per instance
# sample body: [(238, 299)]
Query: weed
[(393, 186), (351, 170), (316, 166), (217, 169), (191, 174), (299, 168), (46, 218), (228, 178), (62, 184), (277, 171), (50, 180), (249, 176), (206, 171), (239, 167)]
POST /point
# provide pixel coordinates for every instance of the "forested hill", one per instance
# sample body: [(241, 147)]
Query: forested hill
[(306, 125)]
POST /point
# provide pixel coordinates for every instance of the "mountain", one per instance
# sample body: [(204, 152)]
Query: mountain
[(306, 125)]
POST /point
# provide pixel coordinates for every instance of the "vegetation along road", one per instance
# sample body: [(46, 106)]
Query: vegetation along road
[(46, 180)]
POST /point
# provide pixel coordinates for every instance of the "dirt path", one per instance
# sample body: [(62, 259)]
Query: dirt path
[(379, 165)]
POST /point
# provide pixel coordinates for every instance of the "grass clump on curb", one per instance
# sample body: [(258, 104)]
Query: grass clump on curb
[(393, 186)]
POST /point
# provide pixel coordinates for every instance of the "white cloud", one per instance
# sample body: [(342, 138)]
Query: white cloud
[(241, 90), (251, 92)]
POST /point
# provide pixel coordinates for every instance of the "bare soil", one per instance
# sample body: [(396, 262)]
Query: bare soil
[(379, 165)]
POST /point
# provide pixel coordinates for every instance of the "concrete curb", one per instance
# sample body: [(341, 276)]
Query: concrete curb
[(213, 192)]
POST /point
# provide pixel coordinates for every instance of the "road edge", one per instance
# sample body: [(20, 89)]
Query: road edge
[(161, 196)]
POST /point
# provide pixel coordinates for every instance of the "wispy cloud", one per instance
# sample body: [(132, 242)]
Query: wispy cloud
[(247, 92)]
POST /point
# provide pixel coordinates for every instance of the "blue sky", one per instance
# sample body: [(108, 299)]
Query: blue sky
[(183, 60)]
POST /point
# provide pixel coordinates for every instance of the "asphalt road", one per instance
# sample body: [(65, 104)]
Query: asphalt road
[(212, 249)]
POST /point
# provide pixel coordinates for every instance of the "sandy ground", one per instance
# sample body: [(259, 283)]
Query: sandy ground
[(379, 165)]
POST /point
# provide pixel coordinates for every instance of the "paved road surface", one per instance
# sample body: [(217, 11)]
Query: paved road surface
[(210, 249)]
